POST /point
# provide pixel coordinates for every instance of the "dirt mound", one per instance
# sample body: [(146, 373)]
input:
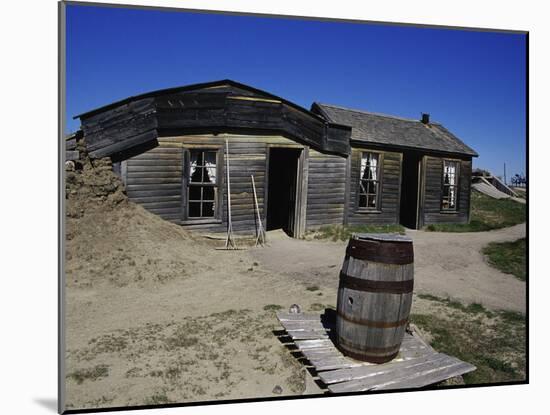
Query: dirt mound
[(112, 240)]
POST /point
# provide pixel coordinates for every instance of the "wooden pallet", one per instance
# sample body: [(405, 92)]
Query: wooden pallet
[(417, 364)]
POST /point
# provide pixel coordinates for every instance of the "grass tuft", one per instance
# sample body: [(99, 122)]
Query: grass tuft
[(94, 373), (343, 233), (508, 257), (273, 307)]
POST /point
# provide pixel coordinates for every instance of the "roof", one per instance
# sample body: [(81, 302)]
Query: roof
[(225, 106), (382, 129), (190, 88)]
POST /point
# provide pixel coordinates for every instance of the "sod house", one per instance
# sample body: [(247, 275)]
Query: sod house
[(327, 165)]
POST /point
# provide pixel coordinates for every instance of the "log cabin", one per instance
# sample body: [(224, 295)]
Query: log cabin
[(327, 165)]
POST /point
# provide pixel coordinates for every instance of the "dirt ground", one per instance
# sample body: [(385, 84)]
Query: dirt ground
[(446, 265), (156, 314)]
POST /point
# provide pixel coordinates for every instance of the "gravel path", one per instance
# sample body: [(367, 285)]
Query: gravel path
[(446, 265)]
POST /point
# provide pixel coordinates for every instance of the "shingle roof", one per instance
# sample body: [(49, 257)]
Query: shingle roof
[(369, 127)]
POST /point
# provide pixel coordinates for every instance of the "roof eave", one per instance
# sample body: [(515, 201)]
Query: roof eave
[(401, 147)]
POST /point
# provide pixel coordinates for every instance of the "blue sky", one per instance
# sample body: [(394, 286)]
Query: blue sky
[(471, 82)]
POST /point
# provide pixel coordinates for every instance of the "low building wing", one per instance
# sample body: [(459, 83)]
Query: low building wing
[(386, 130)]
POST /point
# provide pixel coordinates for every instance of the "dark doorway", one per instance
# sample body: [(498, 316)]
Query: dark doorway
[(281, 182), (410, 189)]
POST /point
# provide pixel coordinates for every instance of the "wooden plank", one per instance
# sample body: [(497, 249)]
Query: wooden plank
[(319, 352), (296, 324), (298, 317), (370, 370), (387, 378), (306, 335), (435, 375), (320, 329), (312, 344), (331, 363)]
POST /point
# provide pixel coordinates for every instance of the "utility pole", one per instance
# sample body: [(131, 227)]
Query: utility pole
[(505, 174)]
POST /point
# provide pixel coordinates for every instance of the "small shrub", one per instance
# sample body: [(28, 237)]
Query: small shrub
[(94, 373), (272, 307), (157, 399)]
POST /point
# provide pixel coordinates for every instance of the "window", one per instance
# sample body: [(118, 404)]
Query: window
[(202, 184), (369, 181), (450, 185)]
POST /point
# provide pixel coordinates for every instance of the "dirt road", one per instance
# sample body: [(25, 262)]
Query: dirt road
[(446, 265)]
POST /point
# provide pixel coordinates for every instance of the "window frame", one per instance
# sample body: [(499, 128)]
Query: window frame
[(187, 184), (379, 171), (454, 209)]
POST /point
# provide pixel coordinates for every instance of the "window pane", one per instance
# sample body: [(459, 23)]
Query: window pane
[(210, 163), (371, 201), (210, 158), (452, 198), (196, 174), (209, 175), (450, 172), (369, 166), (371, 187), (363, 186), (195, 192), (196, 157), (208, 209), (207, 193), (194, 209), (450, 185)]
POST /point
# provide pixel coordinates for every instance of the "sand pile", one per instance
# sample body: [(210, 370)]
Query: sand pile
[(113, 241)]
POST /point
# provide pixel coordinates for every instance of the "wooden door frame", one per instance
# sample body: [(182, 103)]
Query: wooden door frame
[(300, 208), (300, 200), (420, 192)]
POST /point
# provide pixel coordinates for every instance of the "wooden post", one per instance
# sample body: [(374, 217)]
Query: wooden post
[(260, 233), (229, 242)]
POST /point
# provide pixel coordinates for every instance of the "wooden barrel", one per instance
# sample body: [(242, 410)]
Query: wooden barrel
[(374, 296)]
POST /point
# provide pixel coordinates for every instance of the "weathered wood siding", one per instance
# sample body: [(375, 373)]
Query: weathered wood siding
[(390, 176), (326, 189), (433, 188), (117, 129), (155, 178), (125, 128)]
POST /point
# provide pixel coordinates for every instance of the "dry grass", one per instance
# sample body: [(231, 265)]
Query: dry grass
[(486, 214), (493, 341), (508, 257)]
